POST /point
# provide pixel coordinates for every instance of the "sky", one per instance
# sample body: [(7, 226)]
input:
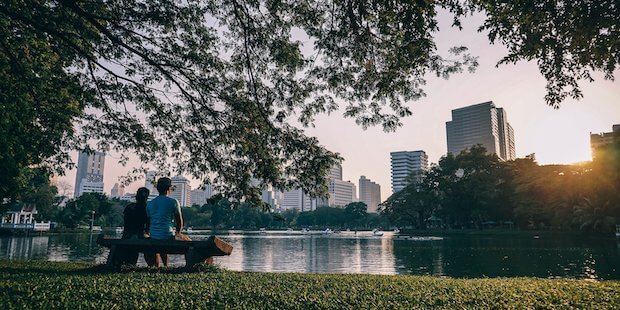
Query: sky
[(556, 136)]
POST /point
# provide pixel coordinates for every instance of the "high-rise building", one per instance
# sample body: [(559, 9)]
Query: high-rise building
[(600, 140), (404, 164), (370, 194), (271, 197), (335, 172), (181, 191), (482, 124), (118, 190), (296, 199), (341, 193), (150, 182), (200, 195), (89, 176)]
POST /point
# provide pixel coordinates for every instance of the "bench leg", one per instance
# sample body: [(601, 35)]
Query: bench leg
[(111, 262), (193, 257), (190, 259)]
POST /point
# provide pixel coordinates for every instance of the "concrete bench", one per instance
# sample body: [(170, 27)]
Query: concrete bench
[(195, 251)]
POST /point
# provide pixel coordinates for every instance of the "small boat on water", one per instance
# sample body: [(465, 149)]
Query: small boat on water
[(377, 233)]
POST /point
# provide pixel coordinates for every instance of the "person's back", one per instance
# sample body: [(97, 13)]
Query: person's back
[(161, 212), (135, 226), (134, 216), (134, 220)]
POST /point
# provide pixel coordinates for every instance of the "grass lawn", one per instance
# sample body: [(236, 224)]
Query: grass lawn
[(42, 285)]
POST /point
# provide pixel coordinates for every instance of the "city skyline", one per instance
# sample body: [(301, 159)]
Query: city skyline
[(556, 136)]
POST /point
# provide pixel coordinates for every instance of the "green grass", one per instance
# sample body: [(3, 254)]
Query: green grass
[(42, 285)]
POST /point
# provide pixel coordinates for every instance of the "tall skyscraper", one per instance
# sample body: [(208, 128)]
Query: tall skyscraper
[(89, 176), (403, 164), (335, 172), (181, 191), (370, 194), (481, 124), (341, 192)]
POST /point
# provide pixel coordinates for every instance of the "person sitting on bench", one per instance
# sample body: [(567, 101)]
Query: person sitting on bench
[(162, 211), (136, 226)]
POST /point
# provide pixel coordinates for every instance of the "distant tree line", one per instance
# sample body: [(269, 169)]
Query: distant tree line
[(476, 190), (220, 213)]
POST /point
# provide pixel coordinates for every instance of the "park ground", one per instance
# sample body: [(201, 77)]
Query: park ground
[(44, 285)]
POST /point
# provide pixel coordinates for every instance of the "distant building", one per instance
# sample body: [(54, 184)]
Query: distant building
[(296, 199), (198, 197), (129, 197), (600, 140), (370, 194), (341, 193), (89, 176), (335, 172), (150, 182), (481, 124), (181, 191), (405, 163), (201, 194), (118, 190), (21, 217), (272, 197)]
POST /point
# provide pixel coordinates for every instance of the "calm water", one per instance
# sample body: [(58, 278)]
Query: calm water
[(347, 252)]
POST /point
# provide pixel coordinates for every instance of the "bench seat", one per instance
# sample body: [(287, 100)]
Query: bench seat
[(195, 251)]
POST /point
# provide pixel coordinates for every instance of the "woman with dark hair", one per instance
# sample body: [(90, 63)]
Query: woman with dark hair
[(136, 226), (135, 216)]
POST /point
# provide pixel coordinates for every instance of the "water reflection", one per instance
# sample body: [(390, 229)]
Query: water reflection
[(453, 256)]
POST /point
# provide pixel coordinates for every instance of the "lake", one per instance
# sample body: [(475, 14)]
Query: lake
[(450, 255)]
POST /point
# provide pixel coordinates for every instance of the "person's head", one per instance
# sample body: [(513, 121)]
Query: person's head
[(142, 195), (164, 185)]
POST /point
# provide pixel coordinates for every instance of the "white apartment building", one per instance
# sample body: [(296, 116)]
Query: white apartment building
[(403, 164), (482, 124), (296, 199), (181, 191), (370, 194), (89, 176), (341, 193)]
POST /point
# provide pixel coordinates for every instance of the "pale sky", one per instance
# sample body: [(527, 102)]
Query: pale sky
[(556, 136)]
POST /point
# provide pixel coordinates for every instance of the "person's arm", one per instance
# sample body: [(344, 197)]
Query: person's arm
[(147, 224), (178, 219)]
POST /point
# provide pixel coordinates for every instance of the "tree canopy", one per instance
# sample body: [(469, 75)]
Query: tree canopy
[(218, 86)]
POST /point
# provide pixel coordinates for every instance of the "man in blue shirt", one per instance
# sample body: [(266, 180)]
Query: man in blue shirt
[(165, 218)]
